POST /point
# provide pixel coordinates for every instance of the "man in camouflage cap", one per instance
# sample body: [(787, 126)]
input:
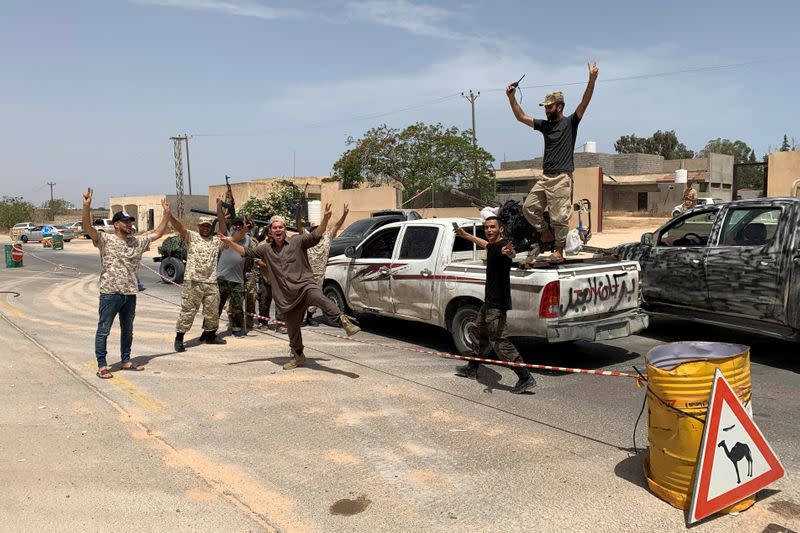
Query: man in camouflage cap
[(553, 190), (199, 282)]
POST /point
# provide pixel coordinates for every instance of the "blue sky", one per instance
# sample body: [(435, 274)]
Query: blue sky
[(93, 89)]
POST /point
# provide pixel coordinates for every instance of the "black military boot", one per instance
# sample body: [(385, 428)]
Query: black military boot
[(525, 383), (203, 336), (310, 319), (470, 370), (179, 346), (211, 338)]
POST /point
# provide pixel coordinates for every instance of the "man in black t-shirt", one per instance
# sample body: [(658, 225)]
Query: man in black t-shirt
[(491, 326), (553, 190)]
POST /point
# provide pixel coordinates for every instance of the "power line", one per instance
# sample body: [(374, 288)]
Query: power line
[(372, 116)]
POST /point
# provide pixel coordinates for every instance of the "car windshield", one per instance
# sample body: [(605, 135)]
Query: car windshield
[(358, 228)]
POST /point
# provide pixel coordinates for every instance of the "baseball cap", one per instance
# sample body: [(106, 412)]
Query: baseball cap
[(277, 218), (206, 220), (553, 98), (122, 216), (237, 220)]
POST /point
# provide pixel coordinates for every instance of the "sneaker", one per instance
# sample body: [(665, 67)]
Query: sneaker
[(295, 361), (524, 384), (467, 371), (349, 325), (262, 325), (282, 329), (240, 333)]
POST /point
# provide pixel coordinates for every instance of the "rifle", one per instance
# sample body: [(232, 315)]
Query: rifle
[(229, 202), (253, 221)]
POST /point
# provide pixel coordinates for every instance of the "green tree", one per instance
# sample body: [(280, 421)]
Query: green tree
[(748, 177), (419, 157), (740, 151), (13, 210), (785, 146), (279, 201), (663, 143), (58, 206)]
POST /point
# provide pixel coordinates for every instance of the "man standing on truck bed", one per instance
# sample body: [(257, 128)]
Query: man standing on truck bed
[(491, 324), (553, 190), (292, 280)]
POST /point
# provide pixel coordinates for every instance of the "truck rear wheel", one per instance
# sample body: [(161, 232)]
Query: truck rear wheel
[(172, 269), (465, 316), (334, 293)]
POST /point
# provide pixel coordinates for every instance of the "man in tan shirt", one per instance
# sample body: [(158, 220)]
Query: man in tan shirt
[(292, 280), (689, 197)]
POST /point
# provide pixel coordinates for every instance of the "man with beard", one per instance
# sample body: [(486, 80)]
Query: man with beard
[(120, 257), (490, 330), (292, 280), (553, 190), (199, 282)]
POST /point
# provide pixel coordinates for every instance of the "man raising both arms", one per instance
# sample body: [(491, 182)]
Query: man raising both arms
[(553, 190), (292, 280), (120, 257)]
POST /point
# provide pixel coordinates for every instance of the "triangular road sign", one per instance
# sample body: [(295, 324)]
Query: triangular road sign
[(735, 460)]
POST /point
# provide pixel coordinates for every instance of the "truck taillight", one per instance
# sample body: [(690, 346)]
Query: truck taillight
[(551, 299)]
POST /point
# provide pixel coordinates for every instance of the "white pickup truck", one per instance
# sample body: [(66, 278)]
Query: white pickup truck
[(419, 270)]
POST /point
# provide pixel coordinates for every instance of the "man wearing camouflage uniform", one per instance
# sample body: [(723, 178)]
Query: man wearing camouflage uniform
[(553, 190), (231, 278), (199, 282)]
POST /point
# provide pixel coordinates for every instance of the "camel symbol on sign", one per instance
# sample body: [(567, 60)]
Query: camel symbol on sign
[(740, 450)]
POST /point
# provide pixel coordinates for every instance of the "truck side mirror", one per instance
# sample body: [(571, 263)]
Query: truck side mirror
[(647, 239), (350, 252)]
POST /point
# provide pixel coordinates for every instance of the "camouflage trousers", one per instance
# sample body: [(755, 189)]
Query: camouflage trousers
[(490, 330), (553, 193), (194, 295), (235, 292)]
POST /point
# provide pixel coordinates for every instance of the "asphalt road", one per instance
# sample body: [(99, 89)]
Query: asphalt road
[(364, 438)]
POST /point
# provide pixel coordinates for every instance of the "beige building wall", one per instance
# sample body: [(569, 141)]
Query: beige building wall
[(783, 174), (260, 187), (139, 207), (361, 202)]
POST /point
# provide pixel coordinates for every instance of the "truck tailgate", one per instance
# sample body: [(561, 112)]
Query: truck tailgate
[(598, 290)]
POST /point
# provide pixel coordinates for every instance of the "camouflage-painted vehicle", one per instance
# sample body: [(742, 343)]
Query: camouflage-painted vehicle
[(735, 265), (172, 256)]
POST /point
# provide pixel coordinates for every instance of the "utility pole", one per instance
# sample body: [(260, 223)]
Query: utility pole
[(471, 99), (51, 184), (188, 167), (176, 145)]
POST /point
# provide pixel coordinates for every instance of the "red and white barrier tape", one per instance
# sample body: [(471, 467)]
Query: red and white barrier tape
[(160, 276), (445, 355)]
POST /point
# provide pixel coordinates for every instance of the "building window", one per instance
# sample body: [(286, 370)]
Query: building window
[(726, 185), (704, 187), (715, 185)]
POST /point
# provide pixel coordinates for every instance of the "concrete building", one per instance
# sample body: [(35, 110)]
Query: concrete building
[(631, 182), (783, 177), (147, 209), (361, 202)]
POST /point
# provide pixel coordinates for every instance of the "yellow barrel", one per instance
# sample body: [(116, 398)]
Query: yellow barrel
[(679, 380)]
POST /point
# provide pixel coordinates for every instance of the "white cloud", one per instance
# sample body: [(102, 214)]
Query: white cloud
[(418, 19), (241, 8)]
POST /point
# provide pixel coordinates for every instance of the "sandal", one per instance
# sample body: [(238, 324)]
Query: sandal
[(133, 367), (104, 373)]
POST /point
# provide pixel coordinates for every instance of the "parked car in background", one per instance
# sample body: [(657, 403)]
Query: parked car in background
[(76, 228), (735, 265), (17, 229), (37, 233), (103, 224), (678, 209)]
